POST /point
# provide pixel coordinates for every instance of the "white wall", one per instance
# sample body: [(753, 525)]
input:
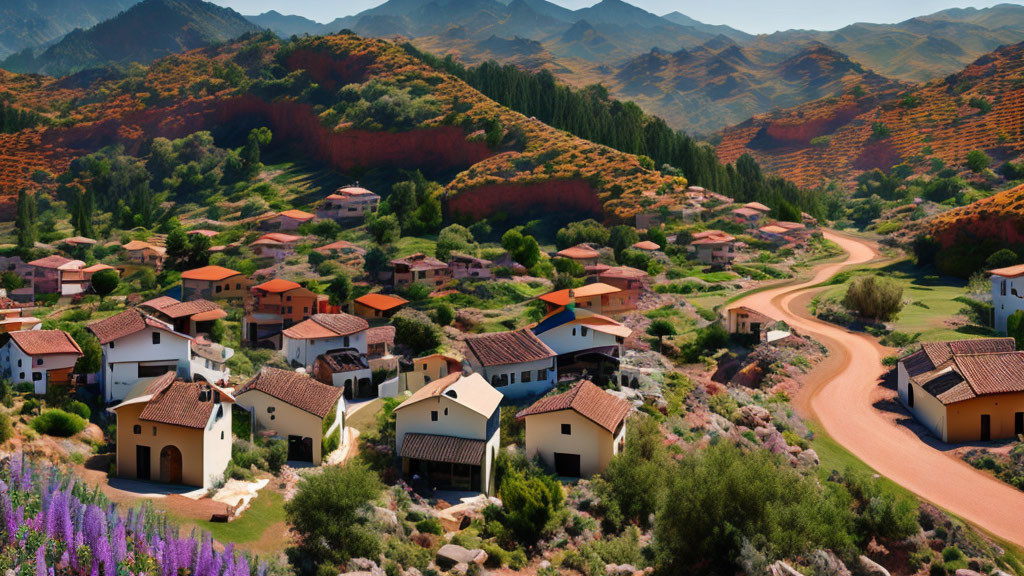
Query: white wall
[(121, 359), (304, 352), (217, 445), (1006, 305), (10, 355), (573, 338), (516, 388)]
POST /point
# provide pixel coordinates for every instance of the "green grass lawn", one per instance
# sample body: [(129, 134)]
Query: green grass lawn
[(264, 511), (365, 419), (408, 245), (833, 456)]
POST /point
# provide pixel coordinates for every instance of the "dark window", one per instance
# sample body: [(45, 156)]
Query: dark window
[(137, 429), (567, 429), (39, 361), (527, 377), (542, 375), (37, 376), (910, 394), (19, 362), (156, 337), (154, 430), (218, 288), (433, 415), (111, 345)]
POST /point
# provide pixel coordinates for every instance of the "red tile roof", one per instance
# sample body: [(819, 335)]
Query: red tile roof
[(579, 252), (176, 309), (350, 191), (591, 402), (382, 302), (381, 335), (209, 273), (757, 206), (296, 389), (181, 403), (623, 272), (961, 370), (296, 215), (277, 285), (125, 324), (1009, 271), (140, 245), (646, 245), (326, 326), (448, 449), (51, 261), (44, 342), (501, 348), (419, 261)]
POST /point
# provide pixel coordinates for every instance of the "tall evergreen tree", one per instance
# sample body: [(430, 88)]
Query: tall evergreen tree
[(25, 220)]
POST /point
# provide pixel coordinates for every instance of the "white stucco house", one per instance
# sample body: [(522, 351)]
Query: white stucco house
[(517, 362), (323, 333), (447, 433), (1007, 294), (41, 357)]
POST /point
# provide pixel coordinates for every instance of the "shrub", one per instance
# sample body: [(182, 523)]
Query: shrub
[(415, 330), (80, 408), (873, 297), (724, 405), (430, 525), (635, 479), (30, 406), (56, 422), (407, 554), (6, 430), (530, 505)]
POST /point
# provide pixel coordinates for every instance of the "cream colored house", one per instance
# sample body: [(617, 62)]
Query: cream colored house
[(294, 407), (426, 369), (447, 433), (174, 432), (965, 391), (744, 320), (576, 433)]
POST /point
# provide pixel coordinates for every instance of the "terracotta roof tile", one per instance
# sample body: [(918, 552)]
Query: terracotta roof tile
[(381, 334), (501, 348), (625, 272), (296, 215), (419, 261), (209, 273), (579, 252), (382, 302), (591, 402), (449, 449), (296, 389), (327, 326), (51, 261), (182, 404), (1009, 271), (43, 342), (993, 373), (277, 285), (175, 309), (561, 297), (646, 245), (125, 324)]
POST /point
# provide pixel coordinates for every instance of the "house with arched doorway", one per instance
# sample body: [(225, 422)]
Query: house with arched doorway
[(175, 432)]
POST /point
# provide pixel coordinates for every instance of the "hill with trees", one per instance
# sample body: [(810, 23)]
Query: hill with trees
[(31, 24)]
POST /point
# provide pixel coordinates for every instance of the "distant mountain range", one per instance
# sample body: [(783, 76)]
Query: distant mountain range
[(145, 32), (35, 23)]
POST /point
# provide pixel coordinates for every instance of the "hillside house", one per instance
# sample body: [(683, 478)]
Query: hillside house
[(144, 254), (646, 246), (289, 220), (759, 207), (349, 203), (56, 274), (631, 282), (192, 318), (518, 363), (748, 216), (965, 391), (377, 306), (294, 407), (584, 340), (345, 252), (380, 340), (427, 369), (274, 306), (42, 357), (447, 433), (275, 245), (714, 248), (596, 297), (744, 320), (323, 333), (13, 316), (346, 369), (578, 432), (1007, 294), (466, 266), (420, 268), (174, 432), (585, 254), (213, 283)]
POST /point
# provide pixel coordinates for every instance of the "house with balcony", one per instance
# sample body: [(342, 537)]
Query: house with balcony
[(323, 333), (380, 340), (289, 220), (347, 204), (275, 305), (275, 245), (714, 248), (213, 283), (192, 318), (174, 432), (585, 342), (448, 434), (1007, 294), (56, 274), (43, 357), (466, 266), (517, 363), (420, 268), (144, 254)]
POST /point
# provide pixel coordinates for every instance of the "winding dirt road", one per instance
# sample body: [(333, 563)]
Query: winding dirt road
[(842, 392)]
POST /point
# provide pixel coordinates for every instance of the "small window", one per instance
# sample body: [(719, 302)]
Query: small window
[(238, 286), (270, 409), (154, 430), (542, 375), (527, 376), (111, 345), (445, 411), (39, 361), (287, 298), (156, 337), (583, 331), (433, 415), (573, 331), (272, 416), (19, 362), (37, 376), (221, 434), (346, 342), (21, 376), (567, 429), (137, 429), (218, 288)]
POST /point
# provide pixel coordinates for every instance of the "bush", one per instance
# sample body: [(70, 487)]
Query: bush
[(876, 298), (6, 430), (30, 406), (56, 422), (530, 505), (406, 554), (80, 408), (430, 525), (635, 479), (415, 330), (709, 340)]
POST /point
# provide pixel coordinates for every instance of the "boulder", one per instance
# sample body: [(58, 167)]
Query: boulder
[(387, 518), (809, 458), (755, 416), (365, 567), (871, 568), (619, 569), (826, 563), (450, 555), (92, 434)]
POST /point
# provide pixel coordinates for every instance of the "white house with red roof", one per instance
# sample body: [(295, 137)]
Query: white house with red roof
[(276, 245), (583, 340), (348, 203), (41, 357), (323, 333), (518, 363), (1007, 294)]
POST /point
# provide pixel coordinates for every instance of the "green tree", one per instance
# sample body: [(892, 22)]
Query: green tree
[(454, 238), (1001, 259), (873, 297), (634, 482), (524, 249), (340, 289), (377, 260), (198, 251), (384, 228), (1015, 328), (177, 246), (660, 328), (415, 330), (444, 315), (590, 231), (11, 281), (258, 139), (25, 220), (330, 514), (105, 281), (531, 504), (977, 161), (621, 238)]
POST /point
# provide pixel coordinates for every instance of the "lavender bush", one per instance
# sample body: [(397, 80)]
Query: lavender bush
[(51, 524)]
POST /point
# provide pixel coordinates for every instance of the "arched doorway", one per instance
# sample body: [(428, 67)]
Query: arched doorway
[(170, 465)]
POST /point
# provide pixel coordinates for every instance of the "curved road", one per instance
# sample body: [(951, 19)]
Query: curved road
[(841, 392)]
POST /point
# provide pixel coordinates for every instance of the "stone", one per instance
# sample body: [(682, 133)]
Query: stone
[(809, 457), (619, 569), (755, 416), (450, 555), (365, 567), (92, 434), (386, 518), (826, 563), (966, 572), (871, 568), (781, 568)]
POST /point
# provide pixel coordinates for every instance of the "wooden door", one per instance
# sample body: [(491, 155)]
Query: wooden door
[(142, 463), (986, 427), (170, 465)]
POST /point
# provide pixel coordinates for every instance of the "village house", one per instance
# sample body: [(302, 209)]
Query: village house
[(88, 272), (422, 269), (596, 297), (343, 251), (42, 357), (1007, 294), (213, 283), (426, 369), (965, 391), (192, 318), (379, 342), (584, 340), (323, 333), (144, 254), (447, 434), (758, 206), (748, 216), (465, 266), (294, 407), (346, 369), (744, 320), (136, 345), (56, 274), (646, 246), (275, 245), (773, 233), (174, 432), (349, 203), (516, 362), (286, 221), (585, 254), (202, 232), (578, 432), (275, 305), (75, 242), (631, 282), (377, 306), (13, 318), (714, 248)]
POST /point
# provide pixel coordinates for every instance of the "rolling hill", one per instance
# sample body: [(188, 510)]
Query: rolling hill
[(836, 138), (31, 24), (147, 31)]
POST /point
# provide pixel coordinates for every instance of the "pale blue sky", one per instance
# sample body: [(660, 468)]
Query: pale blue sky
[(754, 16)]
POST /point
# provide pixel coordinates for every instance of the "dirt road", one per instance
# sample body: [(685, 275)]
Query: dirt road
[(842, 394)]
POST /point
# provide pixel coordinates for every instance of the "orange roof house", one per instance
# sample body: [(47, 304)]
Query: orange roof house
[(213, 283), (595, 297), (375, 305), (757, 206), (582, 253), (420, 268), (646, 246), (287, 220), (351, 202), (192, 317), (139, 252), (275, 305), (631, 282), (275, 245)]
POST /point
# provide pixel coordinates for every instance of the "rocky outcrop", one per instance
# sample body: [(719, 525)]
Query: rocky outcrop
[(451, 555)]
